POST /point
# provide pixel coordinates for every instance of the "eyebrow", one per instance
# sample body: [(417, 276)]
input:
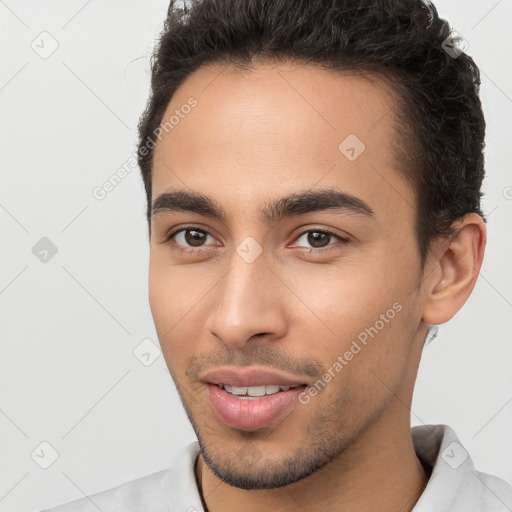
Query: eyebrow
[(298, 203)]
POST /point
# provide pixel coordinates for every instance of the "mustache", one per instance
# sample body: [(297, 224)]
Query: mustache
[(254, 355)]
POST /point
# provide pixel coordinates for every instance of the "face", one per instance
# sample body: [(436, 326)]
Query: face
[(260, 284)]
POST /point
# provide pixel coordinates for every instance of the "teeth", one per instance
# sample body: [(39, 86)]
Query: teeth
[(255, 391), (235, 390), (259, 391)]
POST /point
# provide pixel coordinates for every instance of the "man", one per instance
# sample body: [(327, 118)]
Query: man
[(313, 172)]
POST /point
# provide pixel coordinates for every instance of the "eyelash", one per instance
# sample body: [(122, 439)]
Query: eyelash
[(170, 236)]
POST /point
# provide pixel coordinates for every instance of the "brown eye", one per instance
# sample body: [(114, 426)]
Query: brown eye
[(186, 239), (318, 239), (194, 238)]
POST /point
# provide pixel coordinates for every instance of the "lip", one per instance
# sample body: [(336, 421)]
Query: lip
[(252, 414), (249, 377)]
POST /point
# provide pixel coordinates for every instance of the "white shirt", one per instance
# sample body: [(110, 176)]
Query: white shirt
[(454, 484)]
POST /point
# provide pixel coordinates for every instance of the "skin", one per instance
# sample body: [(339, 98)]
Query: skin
[(254, 137)]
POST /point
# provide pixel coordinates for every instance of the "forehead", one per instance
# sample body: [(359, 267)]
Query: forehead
[(279, 127)]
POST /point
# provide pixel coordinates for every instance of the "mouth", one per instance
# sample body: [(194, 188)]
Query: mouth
[(251, 398)]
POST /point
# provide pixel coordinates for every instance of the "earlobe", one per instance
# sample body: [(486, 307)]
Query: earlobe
[(457, 264)]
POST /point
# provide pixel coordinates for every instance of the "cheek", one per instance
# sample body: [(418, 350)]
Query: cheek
[(173, 290), (162, 298), (364, 321), (173, 302), (364, 368), (345, 298)]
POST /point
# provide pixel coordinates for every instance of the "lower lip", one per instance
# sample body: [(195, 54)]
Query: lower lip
[(247, 414)]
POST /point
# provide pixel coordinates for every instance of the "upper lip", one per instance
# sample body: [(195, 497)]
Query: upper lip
[(249, 377)]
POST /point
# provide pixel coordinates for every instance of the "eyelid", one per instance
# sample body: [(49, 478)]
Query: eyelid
[(328, 231), (173, 232), (192, 227)]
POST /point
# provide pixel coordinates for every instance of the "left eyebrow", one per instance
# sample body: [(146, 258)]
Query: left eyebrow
[(315, 201), (299, 203)]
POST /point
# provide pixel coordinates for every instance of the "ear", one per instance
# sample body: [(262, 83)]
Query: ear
[(453, 270)]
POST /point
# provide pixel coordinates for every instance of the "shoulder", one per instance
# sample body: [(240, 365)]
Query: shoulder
[(151, 492), (492, 492), (455, 485)]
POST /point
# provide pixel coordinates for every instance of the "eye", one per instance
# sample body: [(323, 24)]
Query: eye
[(189, 239), (319, 239)]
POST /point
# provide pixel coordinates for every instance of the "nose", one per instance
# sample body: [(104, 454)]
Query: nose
[(249, 304)]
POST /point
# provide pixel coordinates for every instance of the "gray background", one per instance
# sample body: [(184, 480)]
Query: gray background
[(69, 325)]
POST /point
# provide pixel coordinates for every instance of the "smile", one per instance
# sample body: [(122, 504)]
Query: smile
[(252, 392)]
